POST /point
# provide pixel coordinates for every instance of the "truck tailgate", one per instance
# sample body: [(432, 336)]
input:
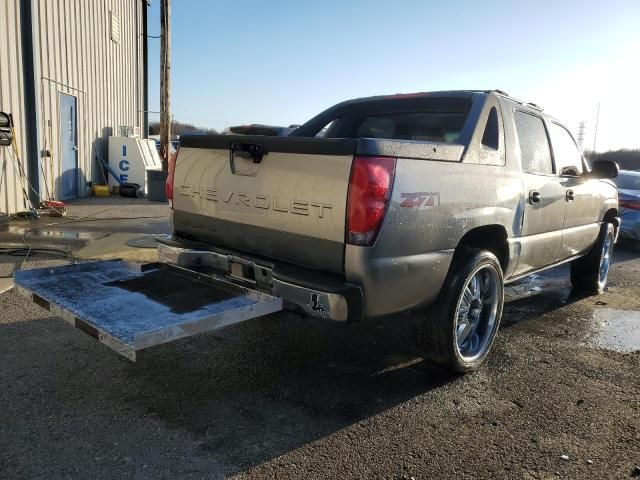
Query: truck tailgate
[(131, 307), (281, 197)]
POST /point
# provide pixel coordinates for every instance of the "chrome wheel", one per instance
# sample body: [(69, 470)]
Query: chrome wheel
[(605, 259), (476, 313)]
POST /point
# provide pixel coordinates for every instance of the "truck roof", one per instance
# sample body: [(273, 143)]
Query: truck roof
[(444, 93)]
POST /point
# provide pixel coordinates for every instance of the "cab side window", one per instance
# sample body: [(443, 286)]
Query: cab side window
[(566, 155), (535, 154)]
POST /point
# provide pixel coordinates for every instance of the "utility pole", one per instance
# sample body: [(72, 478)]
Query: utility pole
[(595, 133), (165, 81), (581, 129)]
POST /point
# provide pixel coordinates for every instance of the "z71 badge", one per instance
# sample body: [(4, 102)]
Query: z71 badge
[(420, 199)]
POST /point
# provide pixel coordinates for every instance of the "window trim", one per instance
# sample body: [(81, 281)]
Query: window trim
[(476, 152), (546, 131)]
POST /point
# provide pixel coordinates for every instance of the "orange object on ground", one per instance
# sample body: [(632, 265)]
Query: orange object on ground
[(55, 208)]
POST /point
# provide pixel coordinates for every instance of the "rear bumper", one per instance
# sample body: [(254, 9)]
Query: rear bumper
[(317, 294)]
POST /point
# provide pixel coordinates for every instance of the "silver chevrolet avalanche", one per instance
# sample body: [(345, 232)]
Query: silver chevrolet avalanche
[(428, 202)]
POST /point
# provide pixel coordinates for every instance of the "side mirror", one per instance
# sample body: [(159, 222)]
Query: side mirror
[(5, 130), (570, 171), (604, 169)]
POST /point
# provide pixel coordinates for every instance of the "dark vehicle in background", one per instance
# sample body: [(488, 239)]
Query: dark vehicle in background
[(628, 183), (259, 129), (174, 143)]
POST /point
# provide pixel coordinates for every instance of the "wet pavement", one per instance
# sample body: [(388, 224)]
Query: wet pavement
[(291, 397), (615, 329), (88, 219)]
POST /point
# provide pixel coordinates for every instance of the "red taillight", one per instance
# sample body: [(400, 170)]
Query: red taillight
[(369, 193), (629, 203), (172, 168)]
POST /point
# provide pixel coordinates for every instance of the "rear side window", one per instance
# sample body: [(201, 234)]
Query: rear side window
[(565, 151), (491, 135), (534, 145), (425, 126)]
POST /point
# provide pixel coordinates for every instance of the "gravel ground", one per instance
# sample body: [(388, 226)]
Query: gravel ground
[(289, 397)]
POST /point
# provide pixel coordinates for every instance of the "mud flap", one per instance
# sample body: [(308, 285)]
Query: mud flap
[(130, 307)]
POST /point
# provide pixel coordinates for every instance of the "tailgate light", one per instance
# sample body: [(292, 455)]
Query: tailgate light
[(172, 168), (629, 203), (369, 192)]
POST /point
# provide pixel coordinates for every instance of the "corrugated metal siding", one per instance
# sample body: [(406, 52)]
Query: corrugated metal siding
[(11, 101), (78, 57)]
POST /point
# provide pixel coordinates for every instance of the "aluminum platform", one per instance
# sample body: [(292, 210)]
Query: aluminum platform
[(130, 307)]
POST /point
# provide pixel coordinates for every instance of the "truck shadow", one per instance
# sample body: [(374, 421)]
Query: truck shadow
[(246, 394), (258, 390)]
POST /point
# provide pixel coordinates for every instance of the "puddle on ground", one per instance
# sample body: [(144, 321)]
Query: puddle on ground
[(69, 234), (65, 234), (556, 285), (143, 241), (617, 330)]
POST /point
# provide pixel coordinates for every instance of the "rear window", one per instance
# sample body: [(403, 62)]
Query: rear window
[(627, 182), (429, 118), (420, 126)]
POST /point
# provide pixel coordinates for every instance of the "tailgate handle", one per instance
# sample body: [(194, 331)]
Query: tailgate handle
[(254, 151)]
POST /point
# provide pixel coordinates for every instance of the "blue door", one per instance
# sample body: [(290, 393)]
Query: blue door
[(68, 146)]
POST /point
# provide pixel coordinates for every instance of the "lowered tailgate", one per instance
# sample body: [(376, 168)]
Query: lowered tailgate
[(279, 197)]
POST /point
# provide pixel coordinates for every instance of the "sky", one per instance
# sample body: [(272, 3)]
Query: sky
[(282, 62)]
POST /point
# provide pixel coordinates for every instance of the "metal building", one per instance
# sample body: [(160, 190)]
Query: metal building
[(72, 72)]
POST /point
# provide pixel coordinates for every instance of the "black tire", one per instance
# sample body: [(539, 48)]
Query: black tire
[(439, 329), (586, 275)]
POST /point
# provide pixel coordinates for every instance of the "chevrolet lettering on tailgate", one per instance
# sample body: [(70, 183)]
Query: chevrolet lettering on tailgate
[(298, 207)]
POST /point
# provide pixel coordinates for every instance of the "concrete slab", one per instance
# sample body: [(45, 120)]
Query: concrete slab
[(6, 284), (96, 228), (116, 206), (115, 246)]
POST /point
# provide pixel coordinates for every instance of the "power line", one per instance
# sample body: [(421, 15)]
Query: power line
[(581, 129)]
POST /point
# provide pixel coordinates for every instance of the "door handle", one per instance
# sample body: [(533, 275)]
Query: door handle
[(570, 196), (74, 148), (534, 197)]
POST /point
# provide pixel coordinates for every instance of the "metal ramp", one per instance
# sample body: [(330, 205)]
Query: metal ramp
[(131, 307)]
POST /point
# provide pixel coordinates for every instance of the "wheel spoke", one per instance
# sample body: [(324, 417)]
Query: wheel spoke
[(486, 285), (463, 333), (475, 281), (474, 340), (467, 296)]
